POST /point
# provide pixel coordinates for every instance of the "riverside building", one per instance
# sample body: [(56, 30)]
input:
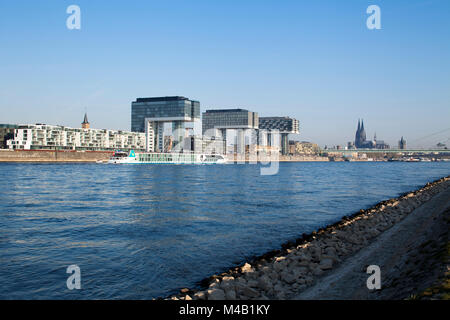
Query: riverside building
[(204, 144), (303, 148), (44, 137), (216, 123), (283, 125), (6, 133), (150, 114)]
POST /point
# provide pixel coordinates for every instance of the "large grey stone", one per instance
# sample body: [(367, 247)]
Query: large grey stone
[(200, 295), (230, 294), (326, 264), (264, 283), (248, 292), (216, 294), (288, 277)]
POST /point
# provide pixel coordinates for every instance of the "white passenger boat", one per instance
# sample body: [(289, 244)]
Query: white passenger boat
[(165, 158)]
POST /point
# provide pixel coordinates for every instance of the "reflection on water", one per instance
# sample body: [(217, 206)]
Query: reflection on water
[(139, 232)]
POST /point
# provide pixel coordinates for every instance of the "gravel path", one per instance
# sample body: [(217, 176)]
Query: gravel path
[(408, 255)]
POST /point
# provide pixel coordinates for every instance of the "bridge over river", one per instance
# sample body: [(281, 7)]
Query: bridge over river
[(389, 151)]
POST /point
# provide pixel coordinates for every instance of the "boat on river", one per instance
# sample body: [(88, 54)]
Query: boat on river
[(165, 158)]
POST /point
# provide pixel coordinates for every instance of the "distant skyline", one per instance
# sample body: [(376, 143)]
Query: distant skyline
[(315, 61)]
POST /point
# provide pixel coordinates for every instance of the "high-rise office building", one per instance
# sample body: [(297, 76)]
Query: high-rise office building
[(149, 115), (165, 108), (229, 119), (283, 126), (215, 123)]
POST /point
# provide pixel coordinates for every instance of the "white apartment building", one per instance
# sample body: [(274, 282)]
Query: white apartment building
[(42, 136)]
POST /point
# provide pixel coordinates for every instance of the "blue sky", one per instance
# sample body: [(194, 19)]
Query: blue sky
[(312, 60)]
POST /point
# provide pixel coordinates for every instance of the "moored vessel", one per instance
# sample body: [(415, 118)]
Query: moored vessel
[(165, 158)]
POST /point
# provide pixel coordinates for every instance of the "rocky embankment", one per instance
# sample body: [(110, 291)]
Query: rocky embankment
[(283, 274)]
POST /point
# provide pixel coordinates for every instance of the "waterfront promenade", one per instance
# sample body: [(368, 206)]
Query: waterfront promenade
[(407, 237)]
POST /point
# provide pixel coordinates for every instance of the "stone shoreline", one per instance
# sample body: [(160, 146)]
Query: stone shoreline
[(284, 273)]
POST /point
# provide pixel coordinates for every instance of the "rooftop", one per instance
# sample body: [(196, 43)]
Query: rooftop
[(268, 118), (155, 99), (225, 110), (8, 126)]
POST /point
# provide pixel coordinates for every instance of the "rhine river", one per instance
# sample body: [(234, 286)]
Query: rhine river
[(141, 232)]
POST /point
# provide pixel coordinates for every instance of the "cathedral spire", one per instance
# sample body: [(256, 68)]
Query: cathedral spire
[(358, 135), (85, 118), (85, 124), (362, 133)]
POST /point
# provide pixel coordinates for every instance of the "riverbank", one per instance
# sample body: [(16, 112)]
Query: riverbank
[(406, 236), (53, 156), (93, 156), (233, 158), (305, 158)]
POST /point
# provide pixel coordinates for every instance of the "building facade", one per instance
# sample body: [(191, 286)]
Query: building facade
[(44, 137), (6, 133), (163, 107), (203, 144), (303, 148), (283, 125), (150, 114), (229, 119), (215, 123)]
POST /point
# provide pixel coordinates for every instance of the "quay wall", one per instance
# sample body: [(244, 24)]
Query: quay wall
[(53, 156), (281, 158), (92, 156), (304, 158)]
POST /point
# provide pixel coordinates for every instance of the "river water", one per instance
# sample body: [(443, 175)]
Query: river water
[(143, 231)]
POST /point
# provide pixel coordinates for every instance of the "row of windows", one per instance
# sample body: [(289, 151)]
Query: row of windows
[(175, 157), (142, 110)]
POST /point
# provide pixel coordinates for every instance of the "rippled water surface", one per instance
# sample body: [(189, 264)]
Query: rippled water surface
[(139, 232)]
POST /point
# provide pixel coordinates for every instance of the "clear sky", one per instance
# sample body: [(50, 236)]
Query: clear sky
[(312, 60)]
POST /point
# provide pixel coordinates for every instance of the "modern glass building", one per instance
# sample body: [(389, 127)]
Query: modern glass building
[(229, 119), (164, 108), (215, 123), (282, 125), (149, 115)]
